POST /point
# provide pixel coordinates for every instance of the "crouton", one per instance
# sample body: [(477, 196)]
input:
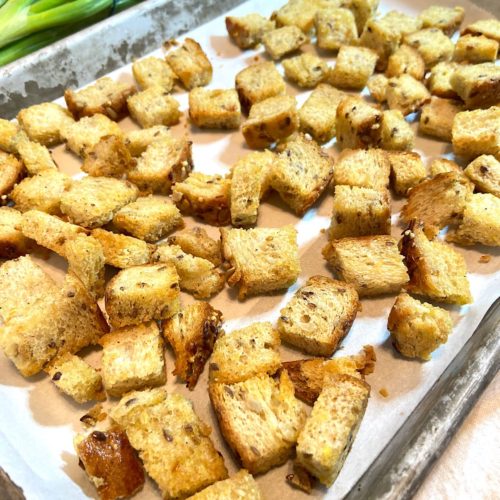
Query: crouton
[(298, 13), (245, 353), (214, 108), (169, 436), (439, 81), (407, 170), (247, 31), (363, 10), (396, 133), (105, 96), (111, 463), (192, 334), (364, 168), (270, 120), (262, 259), (8, 132), (240, 486), (93, 201), (406, 60), (132, 359), (154, 106), (36, 158), (301, 172), (475, 49), (334, 28), (282, 41), (442, 165), (353, 67), (306, 70), (475, 133), (319, 315), (357, 123), (406, 94), (432, 44), (259, 418), (436, 270), (165, 161), (137, 141), (13, 243), (43, 192), (108, 158), (484, 172), (196, 241), (437, 117), (478, 85), (250, 180), (149, 219), (190, 64), (154, 72), (490, 28), (377, 86), (11, 171), (324, 442), (359, 211), (480, 222), (76, 378), (372, 264), (196, 275), (447, 19), (257, 83)]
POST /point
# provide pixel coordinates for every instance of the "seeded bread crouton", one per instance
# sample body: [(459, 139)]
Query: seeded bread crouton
[(432, 44), (154, 106), (196, 241), (282, 41), (406, 60), (437, 117), (372, 264), (8, 132), (247, 31), (190, 64), (36, 158), (137, 141), (447, 19), (154, 72), (132, 359), (306, 70), (475, 49), (298, 13), (214, 108), (192, 334), (363, 10), (478, 85), (334, 28), (484, 172), (169, 436), (439, 80), (407, 170), (406, 94), (377, 86), (13, 243), (259, 418), (262, 259), (488, 27), (353, 68), (396, 133), (442, 165), (11, 171)]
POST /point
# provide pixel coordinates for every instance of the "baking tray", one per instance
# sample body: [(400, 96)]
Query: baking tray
[(421, 429)]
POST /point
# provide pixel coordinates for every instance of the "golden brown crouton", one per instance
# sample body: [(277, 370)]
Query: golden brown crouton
[(282, 41), (154, 106), (475, 49), (396, 133), (353, 67), (437, 117), (197, 242), (484, 172), (154, 72), (487, 27), (377, 86), (447, 19), (105, 97), (247, 31), (240, 486), (192, 334), (442, 165), (214, 108), (137, 141), (35, 157), (439, 81), (478, 85), (407, 170), (306, 70), (13, 243), (11, 171), (432, 44), (298, 13), (362, 10), (372, 264), (8, 132), (262, 259), (406, 94), (334, 28), (406, 60), (190, 64)]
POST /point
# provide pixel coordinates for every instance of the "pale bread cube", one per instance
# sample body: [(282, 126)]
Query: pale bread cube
[(442, 165), (407, 170), (362, 10), (154, 72), (306, 70), (282, 41), (247, 31), (8, 132), (478, 85), (214, 108), (439, 80), (240, 486), (432, 44), (377, 86), (490, 28), (353, 67), (153, 106), (137, 141), (334, 28), (35, 157), (406, 94), (406, 60), (484, 172), (437, 117), (11, 171), (396, 133), (475, 49), (447, 19), (13, 243), (196, 241)]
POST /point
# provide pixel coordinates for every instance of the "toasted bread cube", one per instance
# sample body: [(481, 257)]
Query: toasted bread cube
[(192, 334), (306, 70), (82, 136), (357, 123), (359, 211), (406, 60), (132, 359), (447, 19), (169, 436), (245, 353), (206, 196), (319, 315), (257, 83), (36, 158), (8, 132), (154, 106), (105, 97), (484, 172), (377, 86), (318, 114), (110, 463), (259, 418), (301, 172), (334, 28), (490, 28), (353, 67), (262, 259), (270, 120), (439, 80), (478, 85), (142, 293), (324, 442), (250, 179), (418, 328), (432, 44), (165, 161), (363, 10), (190, 64), (13, 243), (442, 165), (364, 168), (11, 170), (480, 222), (76, 378), (137, 141), (372, 264), (406, 94), (407, 170), (395, 132), (43, 122), (436, 270), (214, 108), (122, 251), (154, 72), (298, 13), (149, 219), (247, 31), (475, 133), (196, 241), (475, 49), (240, 486), (437, 117), (282, 41), (43, 192)]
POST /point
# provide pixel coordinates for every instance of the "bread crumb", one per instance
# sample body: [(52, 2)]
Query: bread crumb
[(94, 415), (484, 259), (171, 42), (383, 392)]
